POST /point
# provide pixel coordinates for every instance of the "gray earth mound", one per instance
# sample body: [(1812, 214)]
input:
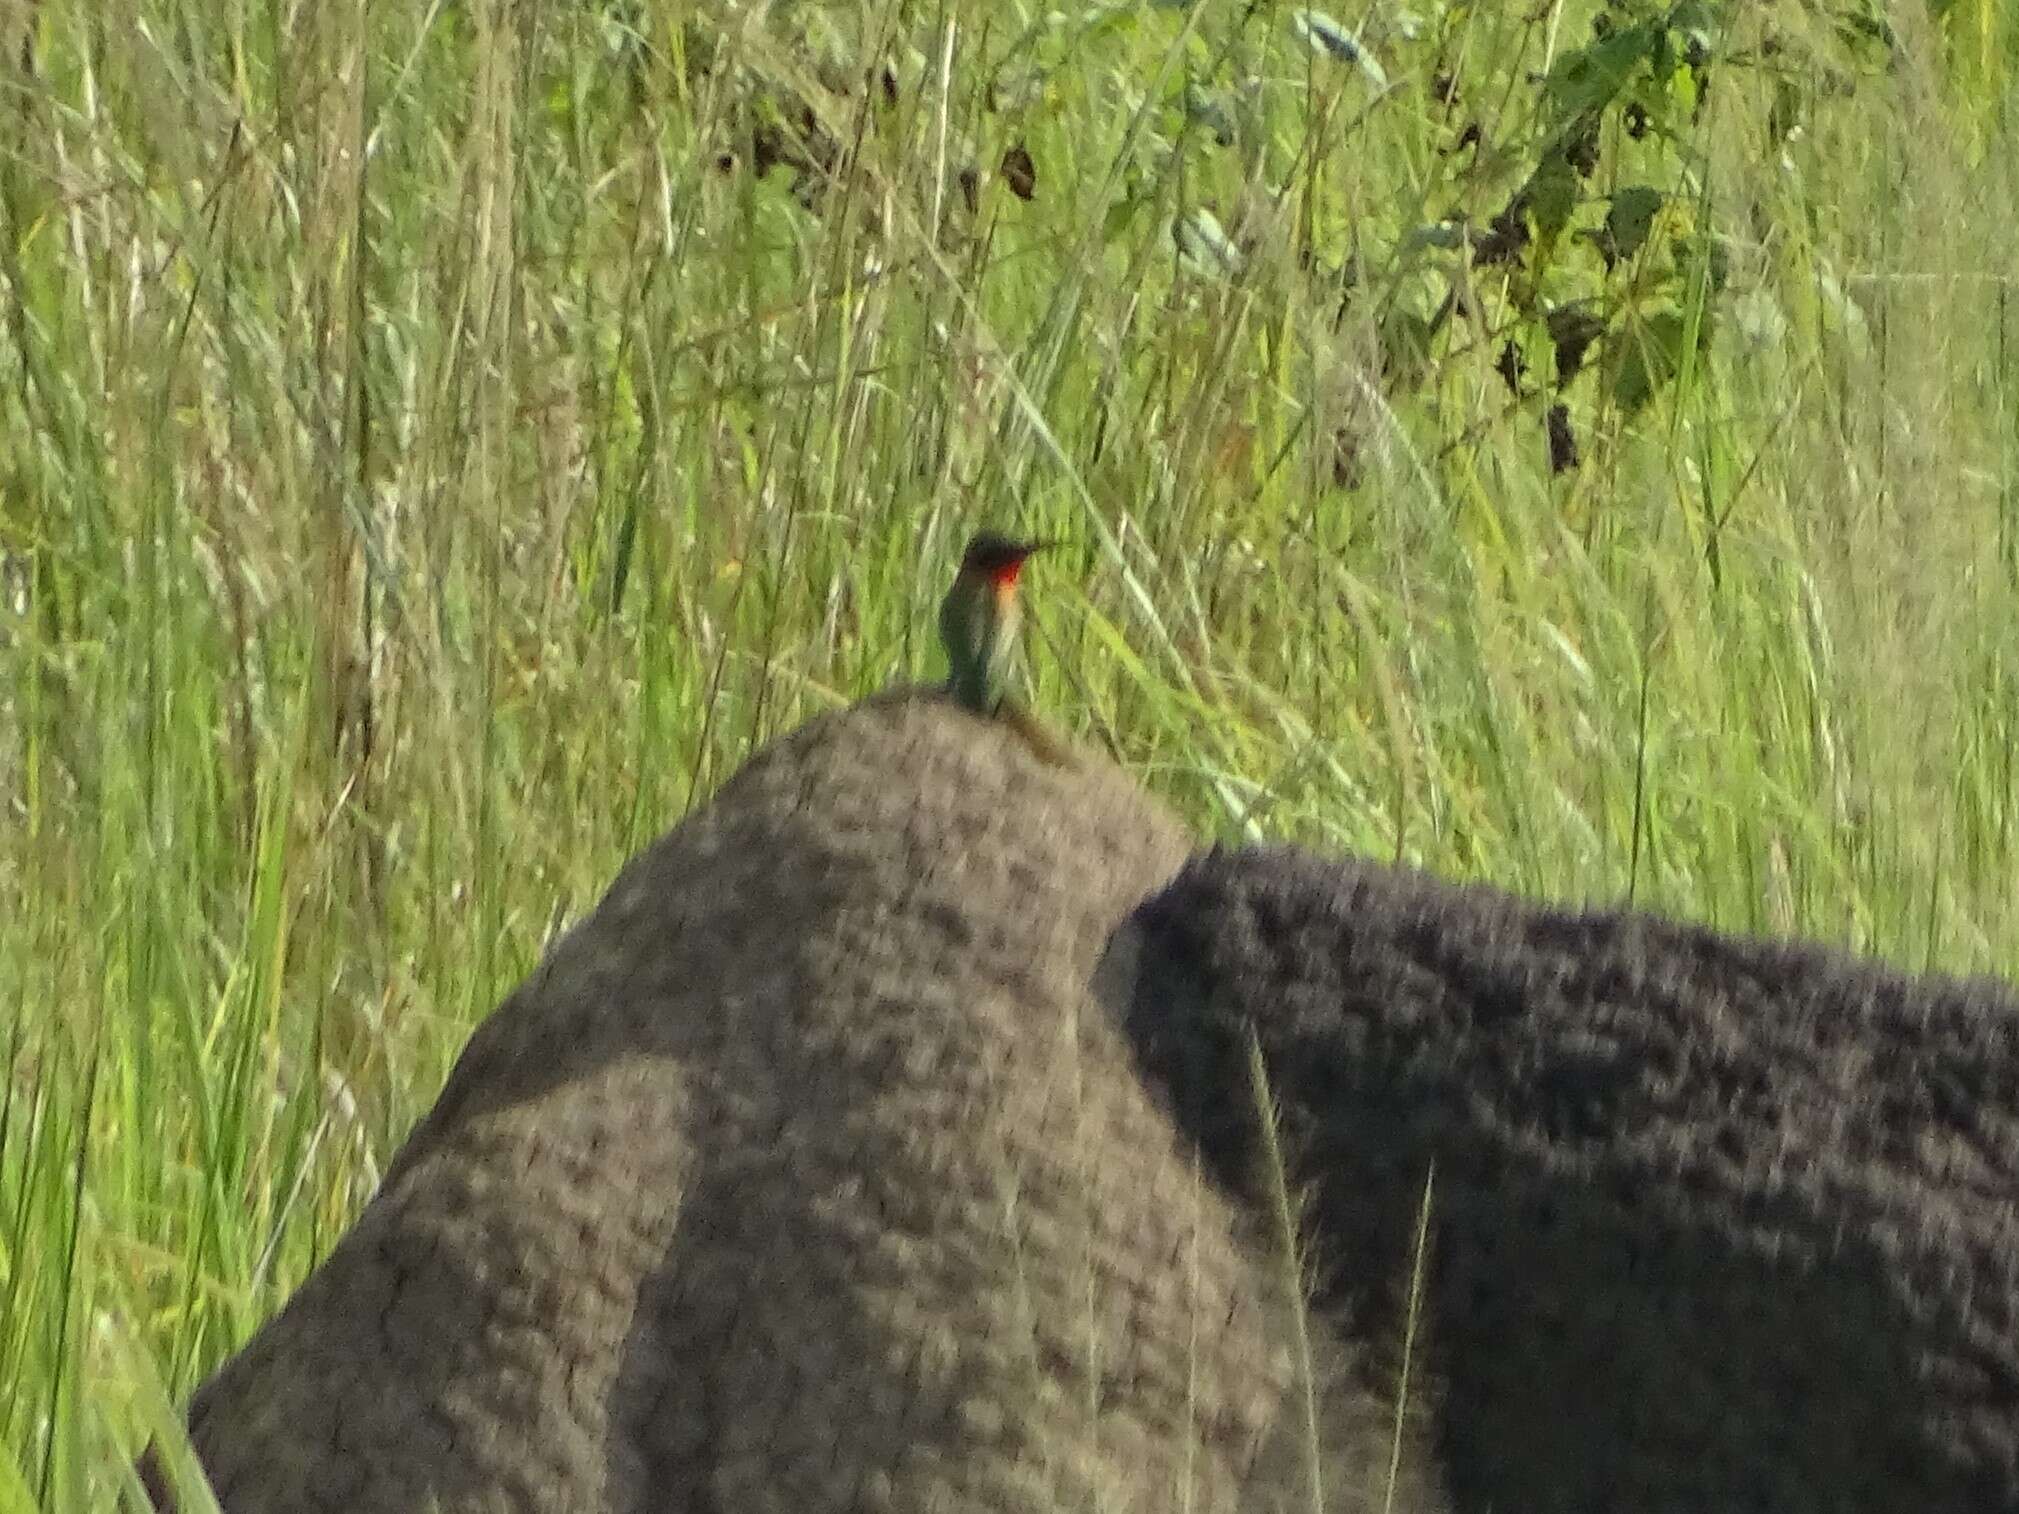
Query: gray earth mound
[(1716, 1224), (805, 1174)]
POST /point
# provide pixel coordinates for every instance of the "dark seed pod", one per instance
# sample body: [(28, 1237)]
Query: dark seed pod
[(1563, 454), (1019, 172)]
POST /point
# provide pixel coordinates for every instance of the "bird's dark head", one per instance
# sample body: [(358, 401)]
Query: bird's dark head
[(998, 559)]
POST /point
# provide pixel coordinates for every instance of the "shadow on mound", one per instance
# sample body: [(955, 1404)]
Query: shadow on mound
[(1716, 1224)]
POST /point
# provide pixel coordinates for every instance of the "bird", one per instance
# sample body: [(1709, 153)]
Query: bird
[(978, 619), (978, 624)]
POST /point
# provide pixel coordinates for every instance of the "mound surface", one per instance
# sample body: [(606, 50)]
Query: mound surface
[(803, 1175)]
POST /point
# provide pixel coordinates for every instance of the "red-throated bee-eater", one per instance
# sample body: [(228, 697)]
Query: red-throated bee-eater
[(978, 619)]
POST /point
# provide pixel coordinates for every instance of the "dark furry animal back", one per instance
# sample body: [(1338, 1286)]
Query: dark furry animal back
[(1719, 1225)]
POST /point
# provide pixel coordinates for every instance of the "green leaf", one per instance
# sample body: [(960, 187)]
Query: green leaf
[(1629, 220), (1550, 195), (1589, 79), (1121, 215), (1646, 355), (1694, 16)]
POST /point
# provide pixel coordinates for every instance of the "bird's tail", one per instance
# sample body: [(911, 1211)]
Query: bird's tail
[(1046, 745)]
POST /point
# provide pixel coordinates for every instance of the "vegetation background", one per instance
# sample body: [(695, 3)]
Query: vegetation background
[(1573, 446)]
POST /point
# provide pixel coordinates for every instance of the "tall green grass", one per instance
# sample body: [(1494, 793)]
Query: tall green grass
[(433, 460)]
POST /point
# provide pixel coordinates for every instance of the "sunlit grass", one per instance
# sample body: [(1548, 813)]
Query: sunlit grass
[(432, 470)]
